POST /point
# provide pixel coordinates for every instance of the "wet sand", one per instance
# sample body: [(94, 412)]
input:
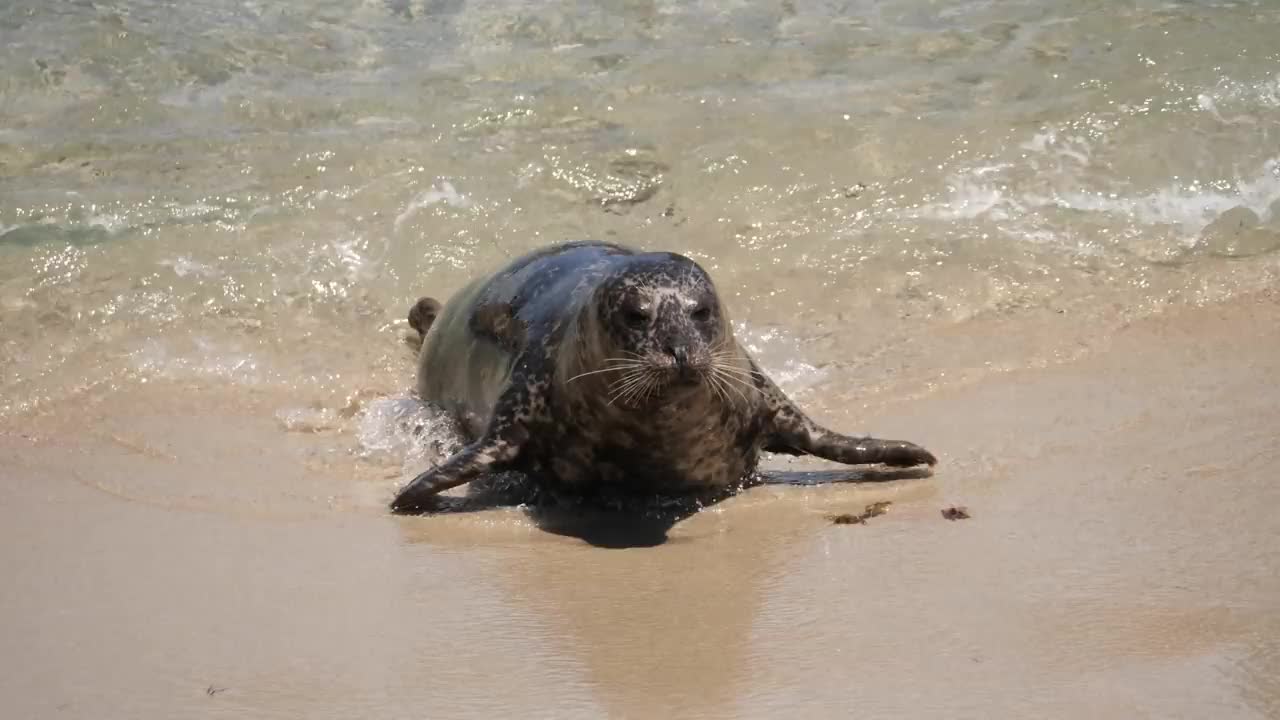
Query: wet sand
[(170, 553)]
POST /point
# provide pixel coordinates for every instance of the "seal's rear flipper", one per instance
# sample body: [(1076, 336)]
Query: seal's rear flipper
[(497, 321), (492, 452), (423, 313), (486, 454)]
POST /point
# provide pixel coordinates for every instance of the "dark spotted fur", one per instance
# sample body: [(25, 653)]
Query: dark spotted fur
[(523, 360)]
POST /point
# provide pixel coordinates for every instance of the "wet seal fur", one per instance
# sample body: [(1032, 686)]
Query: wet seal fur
[(596, 370)]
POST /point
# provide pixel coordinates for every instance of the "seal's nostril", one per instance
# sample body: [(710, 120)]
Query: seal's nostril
[(681, 355)]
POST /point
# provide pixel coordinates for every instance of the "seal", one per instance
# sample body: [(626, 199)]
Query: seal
[(592, 368)]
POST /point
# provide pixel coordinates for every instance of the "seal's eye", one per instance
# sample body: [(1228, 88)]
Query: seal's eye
[(635, 318), (701, 314)]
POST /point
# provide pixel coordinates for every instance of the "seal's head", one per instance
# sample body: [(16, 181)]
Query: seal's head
[(660, 324)]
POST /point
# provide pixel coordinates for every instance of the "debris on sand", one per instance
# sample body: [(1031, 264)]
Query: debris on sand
[(872, 510), (956, 512)]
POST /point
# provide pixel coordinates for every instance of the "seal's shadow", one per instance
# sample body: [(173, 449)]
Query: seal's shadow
[(613, 528), (848, 475), (633, 523)]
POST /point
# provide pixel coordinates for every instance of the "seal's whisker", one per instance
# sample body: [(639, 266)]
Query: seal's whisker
[(646, 388), (730, 381), (744, 380), (732, 355), (733, 369), (613, 396), (733, 374), (710, 379), (728, 352), (624, 392), (737, 384), (721, 361), (653, 387), (717, 387), (724, 355), (641, 391), (627, 384), (632, 396), (626, 381), (596, 372), (735, 380)]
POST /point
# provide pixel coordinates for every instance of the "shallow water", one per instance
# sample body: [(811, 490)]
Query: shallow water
[(214, 218), (253, 193)]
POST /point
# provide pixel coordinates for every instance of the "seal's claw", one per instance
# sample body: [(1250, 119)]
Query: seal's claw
[(401, 507), (415, 498), (907, 454)]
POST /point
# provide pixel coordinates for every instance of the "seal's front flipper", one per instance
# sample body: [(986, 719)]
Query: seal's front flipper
[(795, 434), (868, 450), (812, 439), (487, 454), (830, 445)]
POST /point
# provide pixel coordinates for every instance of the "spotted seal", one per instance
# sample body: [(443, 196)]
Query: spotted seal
[(592, 367)]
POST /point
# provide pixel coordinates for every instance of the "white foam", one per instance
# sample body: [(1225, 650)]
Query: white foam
[(968, 199), (1263, 93), (445, 193), (404, 429), (1191, 206), (184, 266), (1040, 142), (385, 425), (1048, 142), (157, 358), (357, 262), (349, 257), (1206, 103), (307, 419), (982, 192), (193, 210), (378, 120), (775, 350), (111, 222)]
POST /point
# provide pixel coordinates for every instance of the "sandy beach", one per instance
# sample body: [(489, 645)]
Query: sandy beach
[(1120, 561), (1040, 238)]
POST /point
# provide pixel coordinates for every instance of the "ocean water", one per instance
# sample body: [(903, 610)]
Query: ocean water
[(893, 196)]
